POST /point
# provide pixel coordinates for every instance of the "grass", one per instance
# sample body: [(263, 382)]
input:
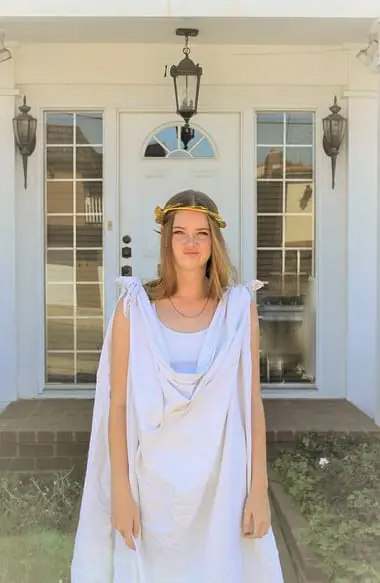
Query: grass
[(38, 521), (336, 483)]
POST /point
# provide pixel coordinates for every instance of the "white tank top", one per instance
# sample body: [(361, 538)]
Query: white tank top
[(183, 348)]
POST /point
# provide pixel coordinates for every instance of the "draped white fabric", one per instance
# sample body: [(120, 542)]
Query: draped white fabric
[(189, 453)]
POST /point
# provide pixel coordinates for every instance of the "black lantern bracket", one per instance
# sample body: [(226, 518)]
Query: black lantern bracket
[(25, 129), (334, 129), (186, 77)]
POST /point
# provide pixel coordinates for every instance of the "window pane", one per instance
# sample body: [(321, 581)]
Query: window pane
[(269, 163), (60, 163), (299, 128), (299, 197), (87, 365), (269, 197), (60, 368), (89, 163), (269, 231), (291, 261), (269, 264), (203, 150), (285, 200), (60, 231), (90, 266), (89, 128), (59, 128), (60, 334), (155, 150), (59, 197), (168, 138), (74, 239), (298, 231), (89, 200), (270, 128), (89, 333), (306, 262), (89, 300), (88, 234), (299, 163), (60, 300), (59, 266)]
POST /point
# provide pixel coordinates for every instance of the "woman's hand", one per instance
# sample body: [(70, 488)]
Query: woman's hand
[(126, 516), (257, 514)]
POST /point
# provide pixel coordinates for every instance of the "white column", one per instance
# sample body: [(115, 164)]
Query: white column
[(8, 309), (362, 251), (377, 399)]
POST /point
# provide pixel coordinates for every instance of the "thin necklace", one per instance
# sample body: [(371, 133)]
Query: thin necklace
[(186, 315)]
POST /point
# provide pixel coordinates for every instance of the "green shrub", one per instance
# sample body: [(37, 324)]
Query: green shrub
[(336, 483)]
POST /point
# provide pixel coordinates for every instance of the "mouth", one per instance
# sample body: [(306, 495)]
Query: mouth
[(191, 253)]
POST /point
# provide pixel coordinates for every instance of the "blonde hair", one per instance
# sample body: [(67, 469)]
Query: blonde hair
[(219, 270)]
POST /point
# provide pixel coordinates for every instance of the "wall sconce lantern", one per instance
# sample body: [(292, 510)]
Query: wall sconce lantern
[(24, 129), (187, 78), (334, 127)]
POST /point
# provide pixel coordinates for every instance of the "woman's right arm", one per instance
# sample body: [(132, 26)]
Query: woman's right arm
[(125, 513)]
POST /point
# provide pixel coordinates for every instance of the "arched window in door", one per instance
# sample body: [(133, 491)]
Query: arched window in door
[(166, 143)]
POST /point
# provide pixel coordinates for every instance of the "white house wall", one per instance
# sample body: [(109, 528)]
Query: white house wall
[(182, 8), (243, 78)]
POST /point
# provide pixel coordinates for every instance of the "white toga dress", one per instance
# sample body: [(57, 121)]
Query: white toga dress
[(189, 456)]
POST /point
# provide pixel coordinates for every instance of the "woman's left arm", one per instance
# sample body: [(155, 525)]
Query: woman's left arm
[(257, 517)]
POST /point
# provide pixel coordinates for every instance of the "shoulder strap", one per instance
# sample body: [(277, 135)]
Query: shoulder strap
[(130, 287)]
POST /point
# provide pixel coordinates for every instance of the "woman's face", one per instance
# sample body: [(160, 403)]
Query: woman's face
[(191, 240)]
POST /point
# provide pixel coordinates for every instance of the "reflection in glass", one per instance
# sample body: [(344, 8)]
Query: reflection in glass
[(89, 266), (269, 231), (89, 333), (89, 163), (291, 261), (87, 364), (59, 266), (168, 138), (60, 367), (270, 129), (60, 300), (60, 231), (299, 197), (89, 128), (299, 163), (269, 264), (298, 231), (59, 163), (59, 197), (299, 128), (89, 200), (285, 222), (269, 197), (306, 262), (74, 238), (59, 128), (166, 143), (89, 300), (269, 162), (88, 234), (60, 334)]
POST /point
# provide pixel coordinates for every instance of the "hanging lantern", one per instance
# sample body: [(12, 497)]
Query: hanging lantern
[(187, 77), (25, 128), (334, 127)]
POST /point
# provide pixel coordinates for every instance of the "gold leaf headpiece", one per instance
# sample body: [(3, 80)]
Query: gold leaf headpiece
[(160, 213)]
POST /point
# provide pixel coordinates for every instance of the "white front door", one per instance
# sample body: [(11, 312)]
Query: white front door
[(154, 166)]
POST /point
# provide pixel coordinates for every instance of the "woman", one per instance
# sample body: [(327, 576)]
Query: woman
[(176, 483)]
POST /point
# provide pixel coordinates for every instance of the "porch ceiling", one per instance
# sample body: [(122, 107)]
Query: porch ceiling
[(234, 30)]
